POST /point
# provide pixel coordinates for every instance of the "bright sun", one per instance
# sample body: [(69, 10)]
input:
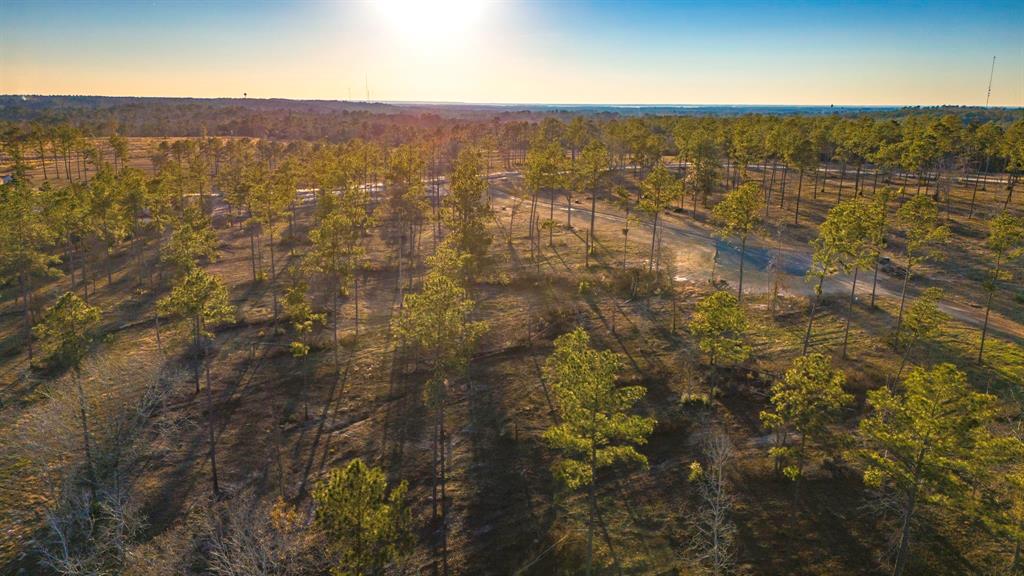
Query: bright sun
[(437, 22)]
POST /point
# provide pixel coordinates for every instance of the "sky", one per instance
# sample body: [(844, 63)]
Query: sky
[(813, 53)]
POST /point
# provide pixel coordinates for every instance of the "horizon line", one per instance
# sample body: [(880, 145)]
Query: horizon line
[(512, 104)]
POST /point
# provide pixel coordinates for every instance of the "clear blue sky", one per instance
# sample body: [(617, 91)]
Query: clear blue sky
[(477, 51)]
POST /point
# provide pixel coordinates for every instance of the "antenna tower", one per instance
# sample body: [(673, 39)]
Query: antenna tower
[(990, 74)]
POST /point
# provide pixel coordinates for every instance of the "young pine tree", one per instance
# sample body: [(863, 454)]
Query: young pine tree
[(718, 324), (464, 210), (660, 190), (804, 403), (202, 299), (842, 245), (923, 321), (918, 220), (738, 214), (925, 444), (367, 525), (66, 332), (1005, 244), (596, 429)]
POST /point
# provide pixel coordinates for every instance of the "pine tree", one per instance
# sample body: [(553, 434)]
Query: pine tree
[(25, 241), (303, 319), (843, 244), (1005, 243), (271, 200), (586, 175), (435, 325), (406, 199), (203, 300), (660, 190), (66, 332), (596, 429), (719, 324), (918, 220), (738, 215), (923, 321), (804, 403), (336, 252), (926, 444), (542, 171), (367, 525), (192, 240), (464, 211)]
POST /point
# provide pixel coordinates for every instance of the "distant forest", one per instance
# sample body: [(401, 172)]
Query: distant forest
[(339, 121)]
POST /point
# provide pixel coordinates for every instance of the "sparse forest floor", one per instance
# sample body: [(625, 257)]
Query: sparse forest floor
[(282, 422)]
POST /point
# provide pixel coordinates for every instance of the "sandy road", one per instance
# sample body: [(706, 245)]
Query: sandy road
[(766, 262)]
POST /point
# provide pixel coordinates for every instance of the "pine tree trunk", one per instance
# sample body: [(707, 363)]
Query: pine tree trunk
[(799, 189), (106, 263), (592, 494), (842, 176), (903, 550), (42, 160), (810, 317), (533, 218), (743, 251), (654, 236), (974, 196), (551, 219), (444, 498), (782, 190), (252, 251), (355, 282), (849, 311), (156, 323), (768, 192), (137, 249), (400, 285), (903, 300), (434, 471), (593, 216), (714, 263), (273, 270), (196, 358), (334, 331), (874, 282), (625, 241), (984, 326), (27, 313)]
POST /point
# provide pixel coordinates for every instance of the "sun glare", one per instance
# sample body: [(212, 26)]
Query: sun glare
[(434, 22)]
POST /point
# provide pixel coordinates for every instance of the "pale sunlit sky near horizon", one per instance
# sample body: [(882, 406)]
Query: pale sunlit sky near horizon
[(849, 53)]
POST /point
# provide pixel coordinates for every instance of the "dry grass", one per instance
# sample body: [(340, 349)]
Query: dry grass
[(506, 510)]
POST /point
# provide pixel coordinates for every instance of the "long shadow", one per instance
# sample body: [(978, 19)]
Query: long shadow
[(327, 405), (613, 332), (167, 504), (814, 539), (507, 519)]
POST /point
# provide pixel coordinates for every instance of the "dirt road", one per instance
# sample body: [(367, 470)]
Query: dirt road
[(694, 248)]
